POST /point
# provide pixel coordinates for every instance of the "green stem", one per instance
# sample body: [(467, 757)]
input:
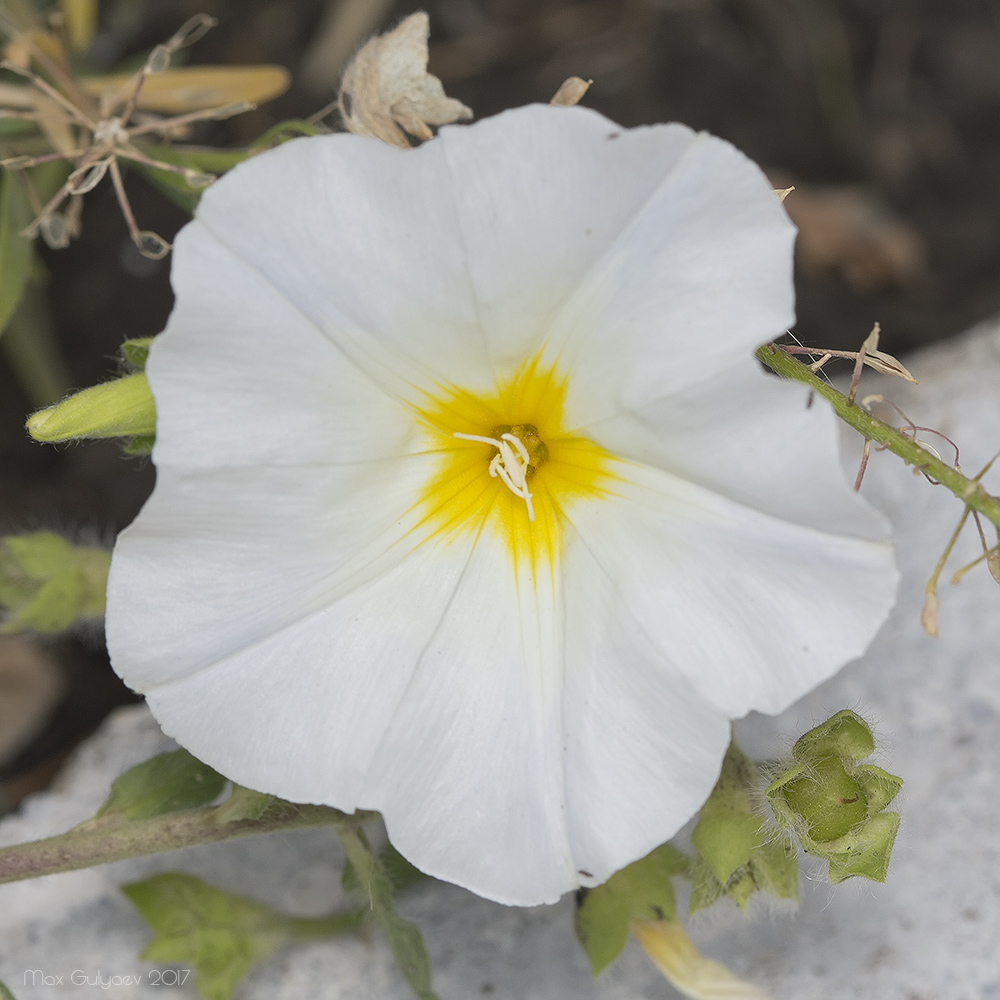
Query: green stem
[(33, 351), (307, 928), (970, 491), (97, 843)]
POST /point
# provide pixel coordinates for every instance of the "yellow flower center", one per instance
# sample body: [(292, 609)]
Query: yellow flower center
[(509, 465)]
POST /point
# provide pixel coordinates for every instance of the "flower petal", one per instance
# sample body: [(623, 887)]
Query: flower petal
[(362, 238), (753, 610), (301, 711), (263, 548), (252, 344), (466, 250), (469, 774), (753, 438), (643, 747), (612, 244)]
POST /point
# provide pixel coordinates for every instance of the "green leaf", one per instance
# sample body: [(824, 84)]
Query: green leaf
[(16, 252), (136, 351), (401, 873), (221, 935), (5, 994), (375, 888), (40, 554), (166, 783), (15, 128), (47, 584), (642, 891), (53, 608)]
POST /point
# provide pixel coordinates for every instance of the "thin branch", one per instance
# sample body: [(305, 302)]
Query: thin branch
[(97, 844), (971, 492)]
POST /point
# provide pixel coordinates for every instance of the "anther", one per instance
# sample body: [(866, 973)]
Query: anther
[(509, 464)]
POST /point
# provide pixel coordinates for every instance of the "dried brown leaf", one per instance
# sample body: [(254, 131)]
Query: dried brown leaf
[(386, 91)]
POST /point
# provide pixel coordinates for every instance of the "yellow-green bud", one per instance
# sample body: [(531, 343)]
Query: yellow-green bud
[(122, 408)]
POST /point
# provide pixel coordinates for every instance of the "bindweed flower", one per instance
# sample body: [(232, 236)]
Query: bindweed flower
[(473, 506)]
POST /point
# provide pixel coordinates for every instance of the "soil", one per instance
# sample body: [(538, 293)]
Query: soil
[(890, 106)]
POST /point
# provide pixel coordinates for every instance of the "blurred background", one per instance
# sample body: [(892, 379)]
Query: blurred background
[(884, 114)]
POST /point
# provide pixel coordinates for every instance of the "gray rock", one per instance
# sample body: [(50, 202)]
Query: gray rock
[(931, 933)]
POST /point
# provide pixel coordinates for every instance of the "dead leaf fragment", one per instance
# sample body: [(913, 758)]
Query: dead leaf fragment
[(386, 91), (845, 230), (571, 92)]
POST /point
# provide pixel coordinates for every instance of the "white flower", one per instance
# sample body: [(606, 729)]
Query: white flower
[(330, 598)]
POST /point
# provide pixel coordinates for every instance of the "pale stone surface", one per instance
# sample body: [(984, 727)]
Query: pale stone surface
[(931, 933)]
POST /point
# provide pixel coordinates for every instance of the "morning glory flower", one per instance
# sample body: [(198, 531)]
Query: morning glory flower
[(472, 504)]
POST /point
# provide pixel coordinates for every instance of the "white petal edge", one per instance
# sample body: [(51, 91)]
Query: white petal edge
[(757, 439), (754, 611)]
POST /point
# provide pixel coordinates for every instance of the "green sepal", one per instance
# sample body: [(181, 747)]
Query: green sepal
[(141, 445), (123, 407), (16, 252), (374, 888), (880, 787), (169, 782), (642, 891), (221, 935), (47, 584), (726, 841), (738, 855), (867, 850), (845, 735), (245, 803), (776, 867), (136, 352), (832, 799), (836, 804)]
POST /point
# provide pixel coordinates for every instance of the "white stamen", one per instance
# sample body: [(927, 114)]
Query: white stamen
[(509, 463)]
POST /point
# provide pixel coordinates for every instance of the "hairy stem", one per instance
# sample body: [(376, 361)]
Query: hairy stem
[(970, 491), (98, 843)]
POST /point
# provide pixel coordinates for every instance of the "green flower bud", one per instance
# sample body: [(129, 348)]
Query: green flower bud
[(47, 584), (121, 408), (738, 855), (835, 803)]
